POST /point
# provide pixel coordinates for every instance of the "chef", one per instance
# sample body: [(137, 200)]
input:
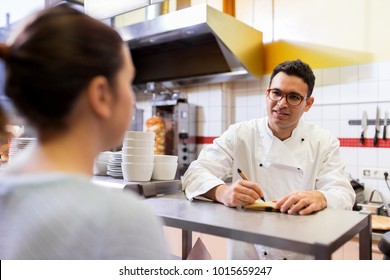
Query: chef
[(284, 158)]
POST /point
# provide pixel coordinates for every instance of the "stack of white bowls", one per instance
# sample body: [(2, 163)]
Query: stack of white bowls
[(138, 156), (165, 167)]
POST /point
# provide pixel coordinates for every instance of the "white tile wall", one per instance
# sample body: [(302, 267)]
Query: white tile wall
[(348, 91), (383, 71)]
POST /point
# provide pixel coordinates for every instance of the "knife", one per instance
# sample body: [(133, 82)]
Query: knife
[(364, 127), (377, 126), (384, 125)]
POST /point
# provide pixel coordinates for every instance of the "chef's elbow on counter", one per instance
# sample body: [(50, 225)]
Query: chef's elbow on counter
[(197, 182)]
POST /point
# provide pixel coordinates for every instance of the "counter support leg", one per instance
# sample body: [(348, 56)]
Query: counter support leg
[(186, 246), (365, 241), (322, 253)]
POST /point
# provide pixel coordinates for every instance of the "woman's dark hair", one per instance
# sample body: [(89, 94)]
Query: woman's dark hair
[(3, 123), (299, 69), (53, 59)]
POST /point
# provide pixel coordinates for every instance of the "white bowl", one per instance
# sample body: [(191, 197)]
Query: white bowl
[(165, 159), (128, 142), (138, 151), (140, 135), (164, 171), (137, 159), (138, 172)]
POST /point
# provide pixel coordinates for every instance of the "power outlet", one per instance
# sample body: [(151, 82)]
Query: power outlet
[(375, 173)]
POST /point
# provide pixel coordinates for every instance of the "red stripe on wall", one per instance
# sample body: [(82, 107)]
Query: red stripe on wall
[(368, 143), (344, 142), (205, 139)]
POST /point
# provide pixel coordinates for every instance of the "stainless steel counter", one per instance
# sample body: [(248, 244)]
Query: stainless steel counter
[(145, 189), (319, 234)]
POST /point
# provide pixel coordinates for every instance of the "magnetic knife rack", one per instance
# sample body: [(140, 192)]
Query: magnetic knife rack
[(369, 122)]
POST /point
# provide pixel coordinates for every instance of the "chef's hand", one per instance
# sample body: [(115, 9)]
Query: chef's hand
[(241, 192), (302, 203)]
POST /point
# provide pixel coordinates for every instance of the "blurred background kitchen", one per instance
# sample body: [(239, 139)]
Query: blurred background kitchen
[(346, 42)]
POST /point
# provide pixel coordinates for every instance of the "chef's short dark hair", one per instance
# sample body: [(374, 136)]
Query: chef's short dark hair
[(296, 68)]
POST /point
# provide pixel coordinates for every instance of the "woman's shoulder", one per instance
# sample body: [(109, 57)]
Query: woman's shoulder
[(126, 226), (71, 190)]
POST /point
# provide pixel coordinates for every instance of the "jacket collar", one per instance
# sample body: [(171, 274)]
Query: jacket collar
[(277, 152)]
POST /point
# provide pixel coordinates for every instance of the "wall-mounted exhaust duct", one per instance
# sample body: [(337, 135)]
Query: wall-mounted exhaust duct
[(194, 45)]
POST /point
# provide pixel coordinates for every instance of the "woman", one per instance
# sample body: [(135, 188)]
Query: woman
[(70, 76)]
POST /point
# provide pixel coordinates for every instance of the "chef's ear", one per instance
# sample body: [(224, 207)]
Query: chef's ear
[(309, 103), (99, 97)]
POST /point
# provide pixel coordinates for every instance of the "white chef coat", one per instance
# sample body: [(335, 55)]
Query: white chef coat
[(308, 160)]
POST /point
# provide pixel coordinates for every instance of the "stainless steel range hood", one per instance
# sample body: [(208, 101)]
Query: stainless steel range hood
[(192, 46)]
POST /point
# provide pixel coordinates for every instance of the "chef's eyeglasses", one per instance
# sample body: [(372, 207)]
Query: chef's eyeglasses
[(293, 99)]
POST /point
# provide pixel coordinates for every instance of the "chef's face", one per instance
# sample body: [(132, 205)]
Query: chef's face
[(283, 117)]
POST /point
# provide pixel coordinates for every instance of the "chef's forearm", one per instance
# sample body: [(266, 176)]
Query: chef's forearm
[(216, 193)]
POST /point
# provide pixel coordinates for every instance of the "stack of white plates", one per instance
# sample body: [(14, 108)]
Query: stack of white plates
[(100, 164), (17, 145), (114, 165)]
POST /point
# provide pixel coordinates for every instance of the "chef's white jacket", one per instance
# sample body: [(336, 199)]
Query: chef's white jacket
[(308, 160)]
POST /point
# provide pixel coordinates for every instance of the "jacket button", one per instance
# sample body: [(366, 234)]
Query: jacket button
[(260, 164), (265, 253)]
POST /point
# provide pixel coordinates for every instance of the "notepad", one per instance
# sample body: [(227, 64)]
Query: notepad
[(262, 206)]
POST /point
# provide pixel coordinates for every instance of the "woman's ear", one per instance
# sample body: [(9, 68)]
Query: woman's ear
[(99, 97)]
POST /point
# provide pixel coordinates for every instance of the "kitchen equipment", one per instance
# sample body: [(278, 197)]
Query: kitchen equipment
[(377, 126), (98, 10), (137, 172), (380, 222), (17, 145), (140, 135), (137, 169), (374, 207), (364, 126), (164, 171), (180, 128), (114, 165), (137, 120), (194, 45), (384, 245), (154, 188), (135, 143), (138, 151), (156, 125), (359, 191), (165, 159), (385, 195), (100, 163), (385, 125)]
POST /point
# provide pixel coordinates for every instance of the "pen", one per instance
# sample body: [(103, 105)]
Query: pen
[(243, 176)]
